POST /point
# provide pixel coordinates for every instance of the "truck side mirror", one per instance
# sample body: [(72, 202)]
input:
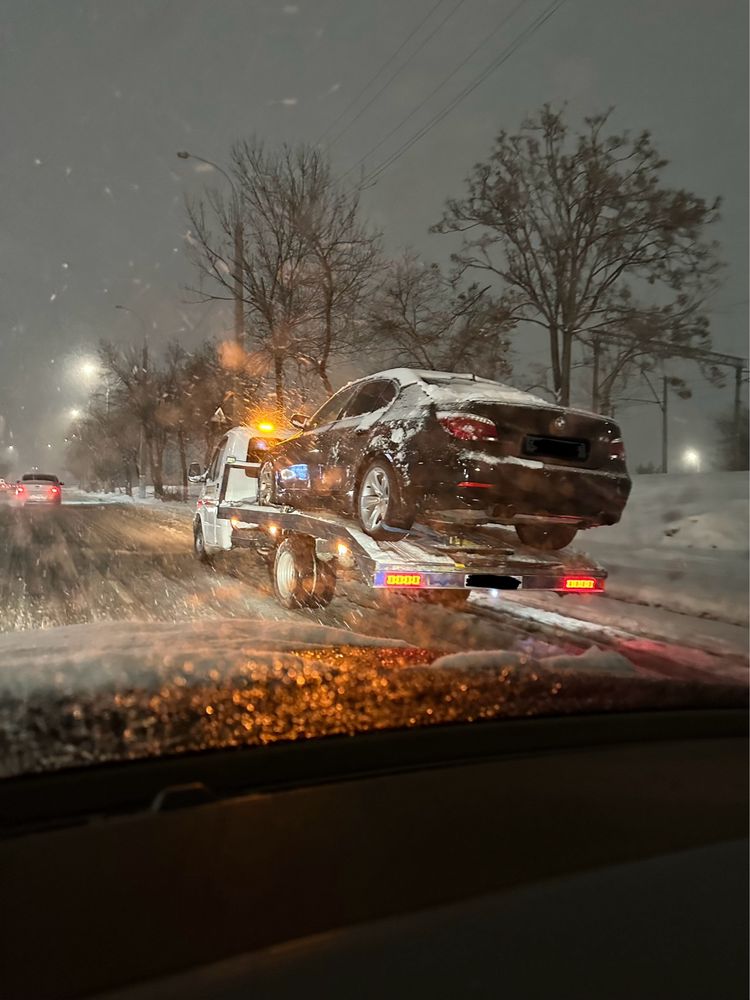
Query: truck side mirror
[(299, 420)]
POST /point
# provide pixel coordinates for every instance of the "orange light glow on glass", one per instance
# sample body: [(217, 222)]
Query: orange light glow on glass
[(266, 427)]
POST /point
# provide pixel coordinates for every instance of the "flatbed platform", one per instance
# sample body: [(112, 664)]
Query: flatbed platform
[(437, 555)]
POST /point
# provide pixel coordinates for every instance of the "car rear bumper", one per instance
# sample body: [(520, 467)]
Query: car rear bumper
[(516, 490)]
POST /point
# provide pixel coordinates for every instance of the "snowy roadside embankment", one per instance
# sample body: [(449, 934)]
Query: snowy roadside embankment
[(682, 544), (76, 497)]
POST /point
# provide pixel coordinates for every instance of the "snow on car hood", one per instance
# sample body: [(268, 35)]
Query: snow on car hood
[(87, 694)]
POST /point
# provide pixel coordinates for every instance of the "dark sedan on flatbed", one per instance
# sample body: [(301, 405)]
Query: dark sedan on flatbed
[(401, 444)]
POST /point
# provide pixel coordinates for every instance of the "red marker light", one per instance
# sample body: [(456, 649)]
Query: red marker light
[(475, 486), (578, 583)]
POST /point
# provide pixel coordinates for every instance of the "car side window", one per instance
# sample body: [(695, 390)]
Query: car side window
[(330, 410), (371, 396)]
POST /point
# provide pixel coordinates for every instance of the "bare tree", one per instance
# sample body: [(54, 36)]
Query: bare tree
[(422, 318), (307, 257), (586, 239)]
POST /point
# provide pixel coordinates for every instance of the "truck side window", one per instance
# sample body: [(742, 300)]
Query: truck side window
[(213, 469)]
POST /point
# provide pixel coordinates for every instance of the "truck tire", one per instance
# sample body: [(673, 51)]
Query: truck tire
[(199, 545), (382, 509), (300, 579), (548, 537)]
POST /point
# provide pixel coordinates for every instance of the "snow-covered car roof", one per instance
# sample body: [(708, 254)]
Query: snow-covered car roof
[(449, 386)]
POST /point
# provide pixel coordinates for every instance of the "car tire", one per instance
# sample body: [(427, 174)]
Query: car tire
[(199, 545), (382, 509), (267, 485), (300, 579), (549, 537)]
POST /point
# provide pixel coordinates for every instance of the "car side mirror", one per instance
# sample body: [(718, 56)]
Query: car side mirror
[(195, 473), (299, 420)]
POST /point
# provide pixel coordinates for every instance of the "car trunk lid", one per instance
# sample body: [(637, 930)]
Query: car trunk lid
[(551, 435)]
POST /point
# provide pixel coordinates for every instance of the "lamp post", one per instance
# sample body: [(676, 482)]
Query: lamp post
[(239, 314), (238, 237), (142, 435)]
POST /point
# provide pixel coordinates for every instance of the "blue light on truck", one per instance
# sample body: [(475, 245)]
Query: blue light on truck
[(299, 472)]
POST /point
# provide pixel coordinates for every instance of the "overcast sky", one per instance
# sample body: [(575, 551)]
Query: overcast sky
[(98, 96)]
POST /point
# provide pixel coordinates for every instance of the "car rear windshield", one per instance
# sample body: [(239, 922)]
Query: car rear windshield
[(39, 478)]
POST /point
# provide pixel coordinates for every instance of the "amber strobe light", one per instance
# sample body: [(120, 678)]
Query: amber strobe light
[(403, 579)]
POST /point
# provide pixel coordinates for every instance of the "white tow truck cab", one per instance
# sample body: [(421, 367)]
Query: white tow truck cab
[(241, 446), (308, 550)]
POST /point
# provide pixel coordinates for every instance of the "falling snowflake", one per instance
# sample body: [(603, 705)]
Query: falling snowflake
[(37, 161), (290, 8), (65, 265), (53, 296), (288, 102), (68, 171)]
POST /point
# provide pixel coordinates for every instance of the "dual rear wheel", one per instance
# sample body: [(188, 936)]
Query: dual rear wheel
[(300, 579)]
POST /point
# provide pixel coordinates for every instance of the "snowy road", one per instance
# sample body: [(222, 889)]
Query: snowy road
[(88, 562)]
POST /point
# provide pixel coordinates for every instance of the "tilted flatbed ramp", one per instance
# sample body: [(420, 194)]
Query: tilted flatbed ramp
[(433, 556)]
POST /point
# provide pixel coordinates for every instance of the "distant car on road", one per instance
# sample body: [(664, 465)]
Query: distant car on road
[(401, 443), (38, 487)]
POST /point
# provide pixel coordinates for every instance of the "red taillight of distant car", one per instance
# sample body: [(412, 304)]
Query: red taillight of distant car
[(617, 448), (468, 426), (20, 490), (54, 491)]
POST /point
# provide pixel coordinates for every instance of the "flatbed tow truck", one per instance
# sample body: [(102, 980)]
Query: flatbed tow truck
[(308, 550)]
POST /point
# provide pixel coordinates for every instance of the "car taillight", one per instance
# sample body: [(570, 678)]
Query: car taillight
[(468, 426), (617, 448), (20, 490), (53, 491)]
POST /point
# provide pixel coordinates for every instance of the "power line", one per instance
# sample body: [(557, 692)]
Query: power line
[(462, 95), (382, 69), (398, 70), (439, 87)]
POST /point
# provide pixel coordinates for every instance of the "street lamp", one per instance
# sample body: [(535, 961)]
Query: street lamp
[(239, 315), (74, 413), (142, 435), (692, 459), (89, 370)]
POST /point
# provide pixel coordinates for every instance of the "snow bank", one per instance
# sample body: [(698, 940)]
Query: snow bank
[(682, 544)]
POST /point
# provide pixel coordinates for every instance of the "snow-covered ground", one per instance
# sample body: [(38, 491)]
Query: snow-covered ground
[(682, 544), (677, 563), (678, 570)]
